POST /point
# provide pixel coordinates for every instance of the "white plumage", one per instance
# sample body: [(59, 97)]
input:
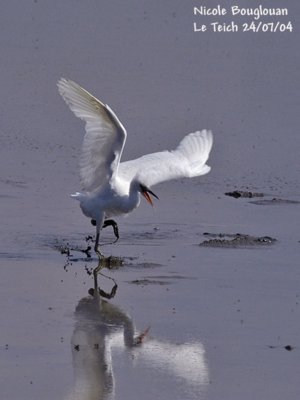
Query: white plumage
[(113, 188)]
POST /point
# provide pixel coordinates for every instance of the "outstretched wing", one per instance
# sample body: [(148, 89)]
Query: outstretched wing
[(104, 138), (188, 160)]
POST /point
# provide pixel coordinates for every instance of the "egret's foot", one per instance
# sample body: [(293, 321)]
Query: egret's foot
[(111, 222)]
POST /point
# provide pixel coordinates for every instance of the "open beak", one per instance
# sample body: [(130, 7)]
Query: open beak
[(146, 193)]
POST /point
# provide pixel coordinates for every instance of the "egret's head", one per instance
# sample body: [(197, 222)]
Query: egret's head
[(146, 193)]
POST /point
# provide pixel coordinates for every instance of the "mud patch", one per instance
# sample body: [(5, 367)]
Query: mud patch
[(242, 193), (237, 240), (112, 262), (263, 202)]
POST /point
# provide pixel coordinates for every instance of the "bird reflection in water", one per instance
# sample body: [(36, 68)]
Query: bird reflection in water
[(102, 329)]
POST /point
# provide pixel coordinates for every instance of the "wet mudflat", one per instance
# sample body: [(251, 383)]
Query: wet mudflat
[(179, 319)]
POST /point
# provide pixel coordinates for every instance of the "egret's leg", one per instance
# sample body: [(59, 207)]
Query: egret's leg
[(111, 222), (97, 239)]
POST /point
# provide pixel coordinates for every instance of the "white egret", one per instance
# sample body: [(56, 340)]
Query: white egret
[(112, 188)]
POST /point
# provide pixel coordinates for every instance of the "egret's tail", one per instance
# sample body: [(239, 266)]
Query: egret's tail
[(78, 196), (195, 149)]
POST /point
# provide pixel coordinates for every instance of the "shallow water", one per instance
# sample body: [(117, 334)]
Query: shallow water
[(219, 318), (223, 321)]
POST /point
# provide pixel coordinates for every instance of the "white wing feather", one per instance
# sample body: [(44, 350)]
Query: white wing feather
[(104, 138), (188, 160)]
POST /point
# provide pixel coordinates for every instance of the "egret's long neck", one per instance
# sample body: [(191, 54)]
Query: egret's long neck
[(133, 199)]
